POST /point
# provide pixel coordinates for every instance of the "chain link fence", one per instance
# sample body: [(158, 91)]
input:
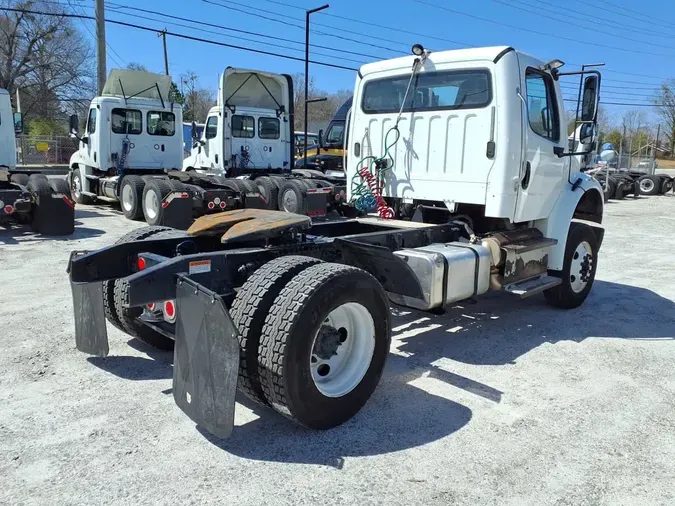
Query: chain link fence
[(56, 150)]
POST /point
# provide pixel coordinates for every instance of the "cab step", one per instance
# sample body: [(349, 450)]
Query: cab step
[(532, 287)]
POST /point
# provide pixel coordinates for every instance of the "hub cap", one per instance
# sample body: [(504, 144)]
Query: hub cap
[(151, 205), (581, 268), (127, 198), (342, 350), (290, 201), (77, 186), (646, 185)]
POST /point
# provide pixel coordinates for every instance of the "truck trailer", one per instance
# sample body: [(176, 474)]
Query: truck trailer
[(463, 160)]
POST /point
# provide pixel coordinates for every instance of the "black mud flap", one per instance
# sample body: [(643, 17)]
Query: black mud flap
[(255, 200), (206, 358), (91, 335), (176, 211), (317, 202)]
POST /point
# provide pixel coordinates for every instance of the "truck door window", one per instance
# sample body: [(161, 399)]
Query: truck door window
[(335, 134), (243, 126), (161, 123), (127, 121), (91, 121), (542, 107), (212, 127), (268, 128), (430, 91)]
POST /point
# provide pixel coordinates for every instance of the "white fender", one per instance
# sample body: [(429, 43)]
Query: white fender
[(556, 226)]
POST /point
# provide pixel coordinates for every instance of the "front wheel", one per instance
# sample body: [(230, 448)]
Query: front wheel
[(77, 187), (580, 264)]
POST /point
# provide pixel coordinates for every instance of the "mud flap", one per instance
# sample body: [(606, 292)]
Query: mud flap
[(91, 335), (206, 358), (176, 211)]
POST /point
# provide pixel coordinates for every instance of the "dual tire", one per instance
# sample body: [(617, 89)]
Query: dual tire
[(314, 339)]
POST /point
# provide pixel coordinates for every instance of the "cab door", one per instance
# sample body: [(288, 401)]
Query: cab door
[(89, 150), (542, 173), (211, 156)]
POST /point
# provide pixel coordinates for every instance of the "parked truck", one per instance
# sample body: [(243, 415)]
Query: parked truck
[(249, 139), (464, 157), (27, 196)]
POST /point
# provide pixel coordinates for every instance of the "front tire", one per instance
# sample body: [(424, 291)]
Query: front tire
[(324, 345), (77, 187), (580, 265)]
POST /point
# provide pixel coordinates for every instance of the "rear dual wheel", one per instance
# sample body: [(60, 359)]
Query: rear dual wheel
[(323, 345)]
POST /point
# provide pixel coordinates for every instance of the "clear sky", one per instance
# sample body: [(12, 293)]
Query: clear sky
[(635, 39)]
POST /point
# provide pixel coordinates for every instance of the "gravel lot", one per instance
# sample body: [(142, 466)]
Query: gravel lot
[(499, 402)]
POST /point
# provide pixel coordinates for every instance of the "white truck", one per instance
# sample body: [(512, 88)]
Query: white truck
[(249, 139), (132, 151), (27, 195), (464, 156)]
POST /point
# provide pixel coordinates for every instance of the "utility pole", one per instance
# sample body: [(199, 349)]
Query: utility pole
[(166, 56), (100, 45), (307, 101)]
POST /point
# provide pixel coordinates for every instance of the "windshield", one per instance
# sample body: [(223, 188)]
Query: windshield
[(335, 134), (430, 91)]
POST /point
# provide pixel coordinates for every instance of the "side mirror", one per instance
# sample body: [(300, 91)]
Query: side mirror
[(591, 97), (193, 131), (321, 138), (587, 133), (74, 125), (18, 123)]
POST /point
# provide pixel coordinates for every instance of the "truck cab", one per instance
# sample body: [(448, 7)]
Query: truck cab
[(328, 153), (132, 128), (479, 132), (250, 129)]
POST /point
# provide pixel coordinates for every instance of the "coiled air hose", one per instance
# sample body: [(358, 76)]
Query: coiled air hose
[(368, 181)]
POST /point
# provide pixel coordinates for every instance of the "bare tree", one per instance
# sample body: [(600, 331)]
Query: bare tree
[(319, 112), (665, 100), (44, 57), (196, 101)]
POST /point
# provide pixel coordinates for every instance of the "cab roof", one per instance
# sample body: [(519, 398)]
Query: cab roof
[(456, 55)]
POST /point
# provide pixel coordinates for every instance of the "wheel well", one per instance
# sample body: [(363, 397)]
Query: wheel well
[(590, 207)]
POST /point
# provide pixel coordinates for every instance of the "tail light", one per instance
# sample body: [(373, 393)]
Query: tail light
[(151, 306), (210, 205), (222, 205), (9, 209), (169, 311), (141, 263)]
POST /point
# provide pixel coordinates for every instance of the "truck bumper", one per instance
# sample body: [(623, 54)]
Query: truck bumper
[(206, 353)]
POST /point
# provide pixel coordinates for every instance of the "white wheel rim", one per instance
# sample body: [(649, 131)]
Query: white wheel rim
[(290, 201), (151, 205), (582, 267), (77, 186), (348, 336), (646, 185), (127, 197)]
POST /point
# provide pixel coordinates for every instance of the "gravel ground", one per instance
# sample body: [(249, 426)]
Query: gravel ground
[(499, 402)]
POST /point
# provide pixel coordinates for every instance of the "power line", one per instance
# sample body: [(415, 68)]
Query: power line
[(650, 19), (181, 36), (545, 34), (118, 7), (119, 62), (568, 22), (367, 23), (239, 38), (314, 23)]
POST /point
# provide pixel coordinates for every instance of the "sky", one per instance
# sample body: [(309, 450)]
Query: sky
[(634, 39)]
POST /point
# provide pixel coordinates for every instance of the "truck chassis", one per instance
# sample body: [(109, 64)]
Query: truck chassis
[(286, 309)]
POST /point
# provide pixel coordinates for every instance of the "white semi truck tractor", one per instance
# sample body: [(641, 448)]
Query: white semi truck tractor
[(249, 140), (462, 160)]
